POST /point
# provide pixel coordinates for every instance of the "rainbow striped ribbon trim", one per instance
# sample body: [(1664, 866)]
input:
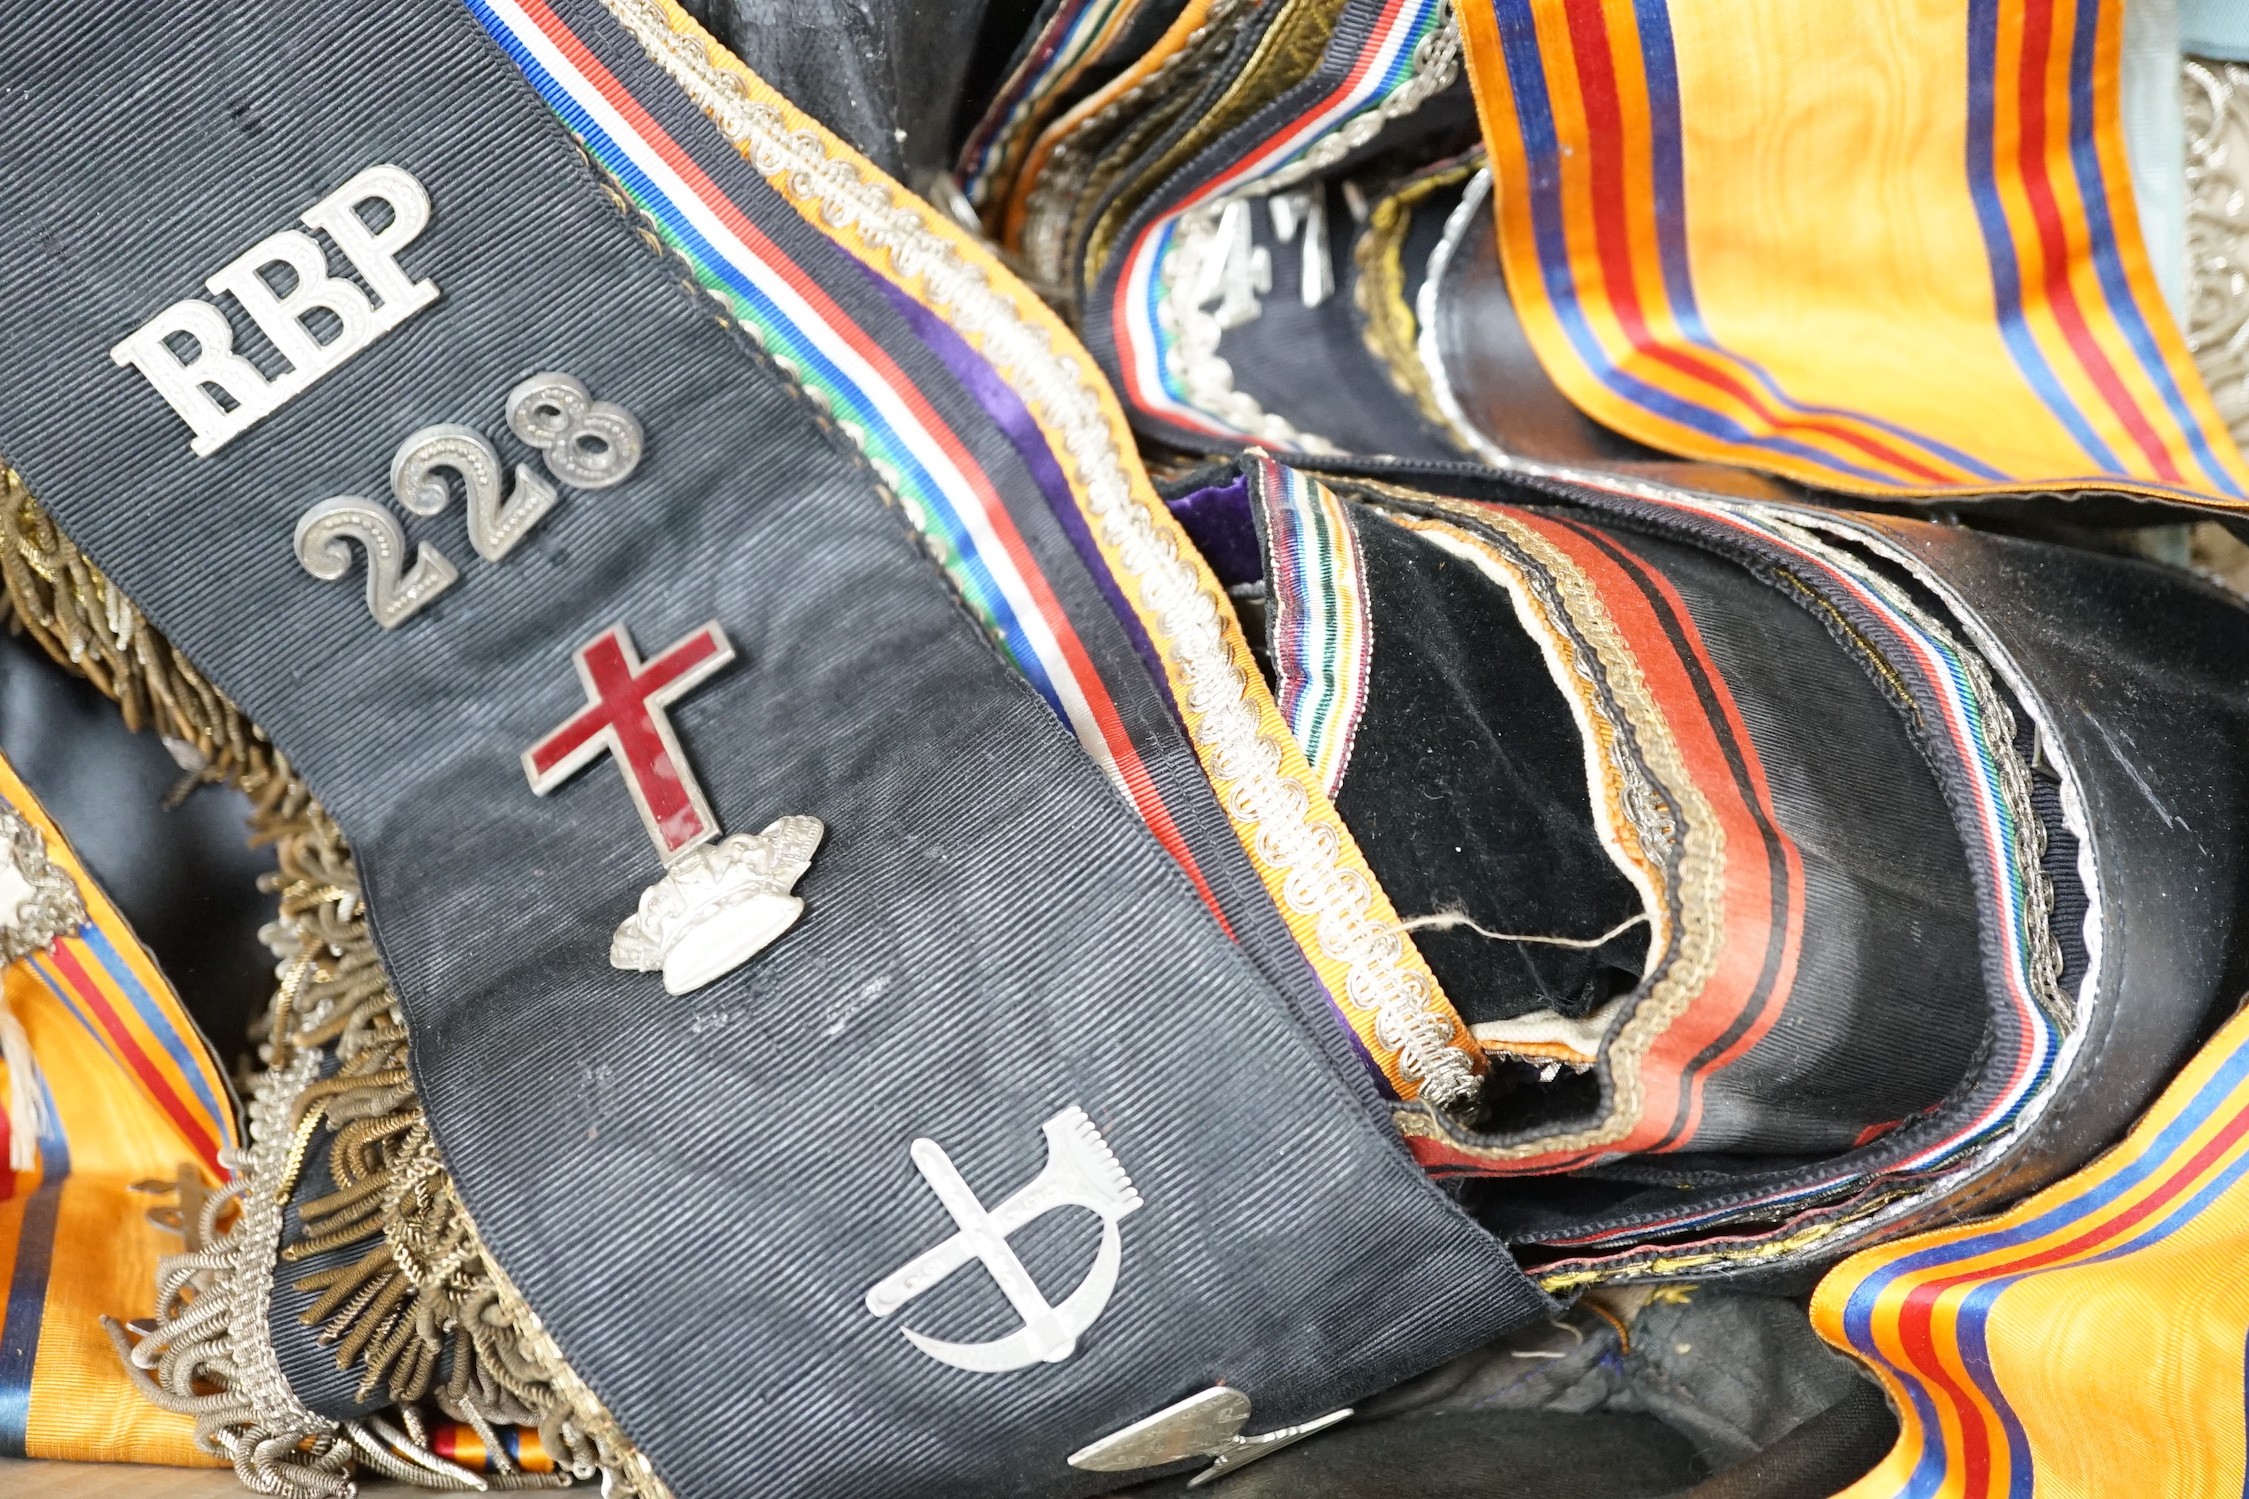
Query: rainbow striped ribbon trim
[(2092, 1339), (1075, 37), (846, 366), (945, 493), (458, 1442), (1936, 284), (1373, 52), (1322, 634)]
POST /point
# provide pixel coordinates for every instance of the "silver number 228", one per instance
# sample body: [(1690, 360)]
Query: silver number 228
[(585, 443)]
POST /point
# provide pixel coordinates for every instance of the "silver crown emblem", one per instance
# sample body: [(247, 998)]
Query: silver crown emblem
[(718, 906)]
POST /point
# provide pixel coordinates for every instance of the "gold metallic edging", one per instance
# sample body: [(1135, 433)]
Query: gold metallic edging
[(207, 1353), (1288, 50), (1305, 856), (1391, 328), (1204, 376), (1631, 825)]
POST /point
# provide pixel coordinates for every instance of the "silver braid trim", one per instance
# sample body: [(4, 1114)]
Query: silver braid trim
[(1189, 296), (211, 1332), (2216, 96), (1409, 1012)]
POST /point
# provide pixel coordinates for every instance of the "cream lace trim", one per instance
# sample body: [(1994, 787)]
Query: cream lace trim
[(1636, 792)]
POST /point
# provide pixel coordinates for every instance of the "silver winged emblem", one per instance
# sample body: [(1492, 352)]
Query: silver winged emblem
[(38, 903)]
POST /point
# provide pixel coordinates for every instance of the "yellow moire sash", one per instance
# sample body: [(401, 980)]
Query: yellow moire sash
[(1887, 249), (2091, 1341), (133, 1114)]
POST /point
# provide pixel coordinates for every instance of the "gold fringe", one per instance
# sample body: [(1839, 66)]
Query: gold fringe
[(65, 603), (423, 1289)]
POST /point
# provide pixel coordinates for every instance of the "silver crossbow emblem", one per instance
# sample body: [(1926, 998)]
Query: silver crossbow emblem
[(1080, 1172)]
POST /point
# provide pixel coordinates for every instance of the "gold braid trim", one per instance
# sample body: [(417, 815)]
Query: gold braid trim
[(1388, 325), (423, 1291)]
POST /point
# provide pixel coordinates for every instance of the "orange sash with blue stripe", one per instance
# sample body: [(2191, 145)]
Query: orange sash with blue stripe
[(2091, 1341), (1877, 248), (133, 1099)]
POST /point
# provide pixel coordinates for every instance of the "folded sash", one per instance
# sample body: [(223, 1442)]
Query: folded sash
[(1872, 251), (1872, 256), (134, 1127), (2088, 1339), (804, 907), (651, 442), (1784, 863)]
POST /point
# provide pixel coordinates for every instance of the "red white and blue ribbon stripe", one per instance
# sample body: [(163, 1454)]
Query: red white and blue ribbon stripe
[(949, 497)]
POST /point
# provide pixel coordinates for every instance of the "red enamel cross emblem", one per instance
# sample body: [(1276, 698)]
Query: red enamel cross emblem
[(624, 716)]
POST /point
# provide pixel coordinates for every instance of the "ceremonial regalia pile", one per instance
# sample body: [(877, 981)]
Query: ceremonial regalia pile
[(1341, 747)]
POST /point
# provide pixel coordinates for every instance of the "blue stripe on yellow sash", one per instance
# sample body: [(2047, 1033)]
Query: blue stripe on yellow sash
[(2088, 1341), (1073, 39), (1930, 280), (26, 1306), (133, 1099)]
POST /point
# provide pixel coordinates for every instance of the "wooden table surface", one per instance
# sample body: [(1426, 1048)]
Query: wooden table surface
[(34, 1480)]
